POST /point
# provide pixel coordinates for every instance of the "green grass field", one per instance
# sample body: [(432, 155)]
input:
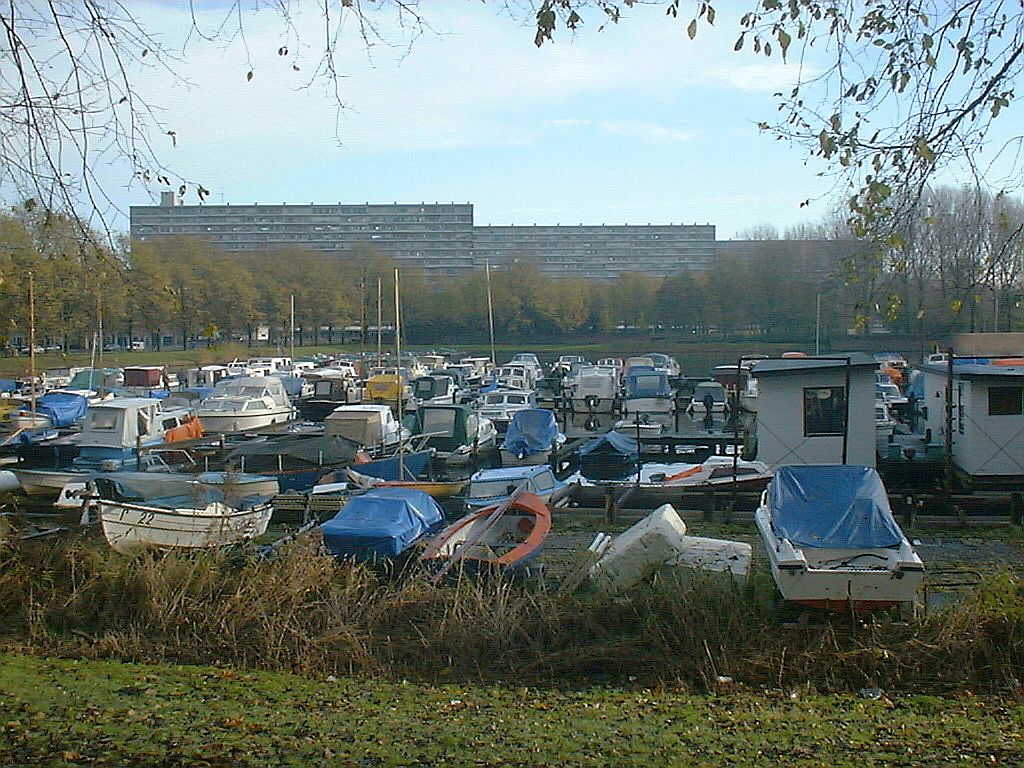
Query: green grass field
[(71, 713)]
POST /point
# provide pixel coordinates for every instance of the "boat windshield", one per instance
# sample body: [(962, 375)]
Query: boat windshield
[(544, 481), (646, 386), (225, 405), (102, 418), (426, 388), (493, 488), (439, 420)]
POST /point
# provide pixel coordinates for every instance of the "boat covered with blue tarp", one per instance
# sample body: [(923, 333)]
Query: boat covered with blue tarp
[(531, 435), (62, 408), (381, 524), (840, 506)]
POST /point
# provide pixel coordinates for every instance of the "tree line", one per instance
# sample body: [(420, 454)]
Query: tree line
[(954, 267)]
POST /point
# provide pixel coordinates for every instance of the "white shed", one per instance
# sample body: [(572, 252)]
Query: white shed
[(804, 414), (988, 416)]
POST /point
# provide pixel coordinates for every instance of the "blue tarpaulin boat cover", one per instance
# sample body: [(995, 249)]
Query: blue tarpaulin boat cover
[(531, 431), (407, 467), (832, 506), (611, 442), (381, 524), (8, 385), (63, 408)]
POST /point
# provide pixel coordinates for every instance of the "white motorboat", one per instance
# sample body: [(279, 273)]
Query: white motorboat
[(647, 392), (372, 426), (594, 389), (708, 394), (832, 541), (502, 405), (250, 402), (192, 517), (714, 470)]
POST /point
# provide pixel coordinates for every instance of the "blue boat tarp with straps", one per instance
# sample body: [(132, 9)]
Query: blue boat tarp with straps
[(832, 506), (381, 524)]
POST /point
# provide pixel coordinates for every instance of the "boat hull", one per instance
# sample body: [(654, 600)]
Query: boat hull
[(481, 543), (46, 482), (648, 405), (132, 528), (593, 404), (235, 422), (830, 578)]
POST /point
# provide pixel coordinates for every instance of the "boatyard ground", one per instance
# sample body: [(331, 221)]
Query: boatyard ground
[(396, 672), (69, 713)]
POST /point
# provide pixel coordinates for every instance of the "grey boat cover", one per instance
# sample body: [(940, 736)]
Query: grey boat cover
[(611, 443), (832, 506), (310, 449)]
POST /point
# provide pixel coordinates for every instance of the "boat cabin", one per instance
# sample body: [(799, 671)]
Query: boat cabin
[(988, 417), (644, 382), (493, 486), (637, 362), (438, 387), (665, 363), (811, 409), (482, 365), (388, 386), (711, 392), (205, 376), (500, 406), (453, 429), (145, 376), (431, 361), (372, 426), (512, 376), (114, 430)]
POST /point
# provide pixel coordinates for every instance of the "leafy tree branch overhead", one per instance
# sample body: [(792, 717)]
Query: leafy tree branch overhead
[(892, 92)]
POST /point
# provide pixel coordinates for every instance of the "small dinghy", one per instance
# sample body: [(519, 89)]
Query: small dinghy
[(506, 535), (439, 489), (175, 514), (833, 542), (715, 470)]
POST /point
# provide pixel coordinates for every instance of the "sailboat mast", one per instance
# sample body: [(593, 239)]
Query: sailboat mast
[(398, 378), (291, 346), (380, 319), (490, 313), (101, 389), (362, 323), (32, 339)]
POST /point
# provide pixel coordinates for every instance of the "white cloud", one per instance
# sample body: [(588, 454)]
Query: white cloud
[(647, 132), (566, 123)]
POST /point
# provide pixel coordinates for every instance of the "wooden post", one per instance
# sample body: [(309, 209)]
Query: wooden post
[(609, 505), (948, 458), (846, 413)]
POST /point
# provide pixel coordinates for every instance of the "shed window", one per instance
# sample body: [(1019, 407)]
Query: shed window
[(824, 411), (1005, 401)]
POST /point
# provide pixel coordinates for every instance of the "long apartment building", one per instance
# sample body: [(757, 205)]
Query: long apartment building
[(441, 238)]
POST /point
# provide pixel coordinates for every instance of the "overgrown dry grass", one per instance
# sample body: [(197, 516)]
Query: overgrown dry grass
[(304, 612)]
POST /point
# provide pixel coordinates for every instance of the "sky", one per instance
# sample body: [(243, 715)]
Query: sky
[(633, 123)]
